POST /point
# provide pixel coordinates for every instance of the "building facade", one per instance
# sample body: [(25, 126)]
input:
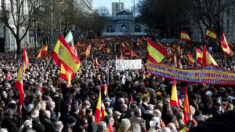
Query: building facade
[(84, 5), (123, 23), (117, 7)]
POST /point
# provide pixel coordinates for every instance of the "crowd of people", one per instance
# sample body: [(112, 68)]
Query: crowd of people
[(135, 102)]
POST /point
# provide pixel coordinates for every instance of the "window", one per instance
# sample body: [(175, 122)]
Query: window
[(137, 28), (123, 28), (109, 28)]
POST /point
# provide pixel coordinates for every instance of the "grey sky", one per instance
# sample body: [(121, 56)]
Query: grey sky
[(107, 3)]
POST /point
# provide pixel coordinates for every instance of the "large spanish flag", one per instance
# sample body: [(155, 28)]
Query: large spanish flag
[(199, 55), (174, 95), (42, 51), (26, 60), (155, 52), (190, 58), (207, 58), (19, 87), (184, 36), (63, 54), (98, 108), (210, 34), (66, 75), (224, 45), (186, 108)]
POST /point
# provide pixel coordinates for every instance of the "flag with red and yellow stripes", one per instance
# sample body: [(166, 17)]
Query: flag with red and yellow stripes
[(210, 34), (19, 87), (88, 50), (63, 54), (66, 75), (174, 95), (155, 53), (207, 58), (26, 60), (184, 36), (42, 51), (186, 108), (190, 58), (199, 56), (224, 45), (105, 90), (98, 108)]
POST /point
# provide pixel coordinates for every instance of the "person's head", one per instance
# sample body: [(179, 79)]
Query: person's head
[(35, 113), (102, 127), (180, 116), (59, 126), (8, 113), (117, 114), (157, 113), (88, 112), (91, 119), (171, 126), (125, 125), (124, 107), (146, 99), (137, 112), (51, 104), (72, 120), (121, 100), (28, 124)]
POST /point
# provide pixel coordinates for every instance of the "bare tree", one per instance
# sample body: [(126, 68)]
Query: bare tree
[(17, 16), (209, 13)]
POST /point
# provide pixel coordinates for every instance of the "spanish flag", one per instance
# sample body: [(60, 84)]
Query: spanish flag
[(190, 58), (186, 108), (105, 90), (63, 54), (207, 58), (184, 36), (80, 45), (174, 95), (155, 52), (42, 51), (66, 75), (224, 45), (98, 108), (210, 34), (26, 60), (199, 55), (19, 87), (110, 128), (88, 50)]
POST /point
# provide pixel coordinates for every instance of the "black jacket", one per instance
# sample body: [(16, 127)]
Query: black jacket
[(10, 125)]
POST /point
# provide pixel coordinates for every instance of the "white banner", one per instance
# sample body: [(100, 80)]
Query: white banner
[(128, 64)]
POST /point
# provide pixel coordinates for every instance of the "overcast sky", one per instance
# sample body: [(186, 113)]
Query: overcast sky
[(108, 3)]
